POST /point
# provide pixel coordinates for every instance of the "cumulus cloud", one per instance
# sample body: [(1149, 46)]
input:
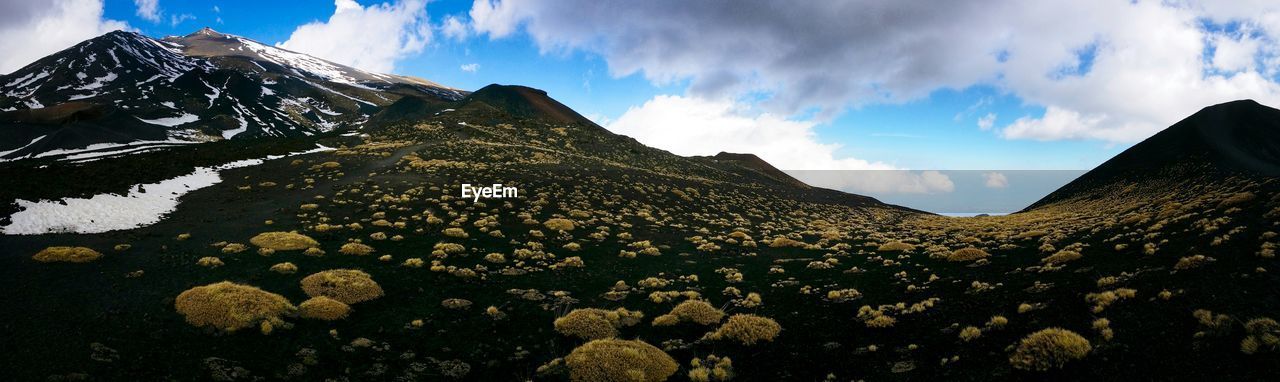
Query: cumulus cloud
[(1059, 123), (1235, 53), (695, 126), (985, 122), (454, 28), (372, 38), (179, 19), (1124, 69), (30, 30), (148, 10), (470, 68), (995, 180)]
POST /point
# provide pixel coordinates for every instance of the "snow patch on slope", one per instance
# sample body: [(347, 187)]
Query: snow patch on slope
[(173, 121)]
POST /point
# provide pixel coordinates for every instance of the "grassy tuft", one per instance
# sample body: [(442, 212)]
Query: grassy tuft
[(747, 329), (610, 360), (967, 254), (66, 255), (592, 323), (1050, 348), (228, 306), (323, 308), (347, 285), (284, 241), (696, 311)]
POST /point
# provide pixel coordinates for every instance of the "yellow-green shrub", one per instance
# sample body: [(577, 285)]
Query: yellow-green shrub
[(66, 255), (355, 249), (323, 308), (283, 241), (712, 368), (347, 285), (747, 329), (1264, 335), (558, 224), (592, 323), (967, 254), (1061, 257), (613, 360), (1048, 349), (696, 311), (228, 306), (896, 246), (210, 262), (284, 268)]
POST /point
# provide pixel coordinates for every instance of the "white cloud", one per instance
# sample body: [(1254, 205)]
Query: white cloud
[(985, 122), (148, 10), (372, 38), (1235, 53), (470, 68), (1059, 123), (1129, 68), (995, 180), (454, 28), (178, 19), (498, 20), (32, 30), (695, 126)]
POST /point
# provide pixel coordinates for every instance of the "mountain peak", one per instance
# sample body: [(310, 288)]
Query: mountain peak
[(206, 31), (755, 163), (525, 102)]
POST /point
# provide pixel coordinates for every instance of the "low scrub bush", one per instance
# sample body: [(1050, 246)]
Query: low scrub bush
[(347, 285), (613, 360), (592, 323), (1050, 348), (696, 311), (747, 329), (967, 254), (323, 308), (66, 255), (228, 306)]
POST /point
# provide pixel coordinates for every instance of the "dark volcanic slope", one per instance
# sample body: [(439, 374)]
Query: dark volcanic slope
[(1239, 137)]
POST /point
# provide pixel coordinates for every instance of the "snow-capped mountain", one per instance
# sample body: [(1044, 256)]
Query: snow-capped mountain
[(125, 92)]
